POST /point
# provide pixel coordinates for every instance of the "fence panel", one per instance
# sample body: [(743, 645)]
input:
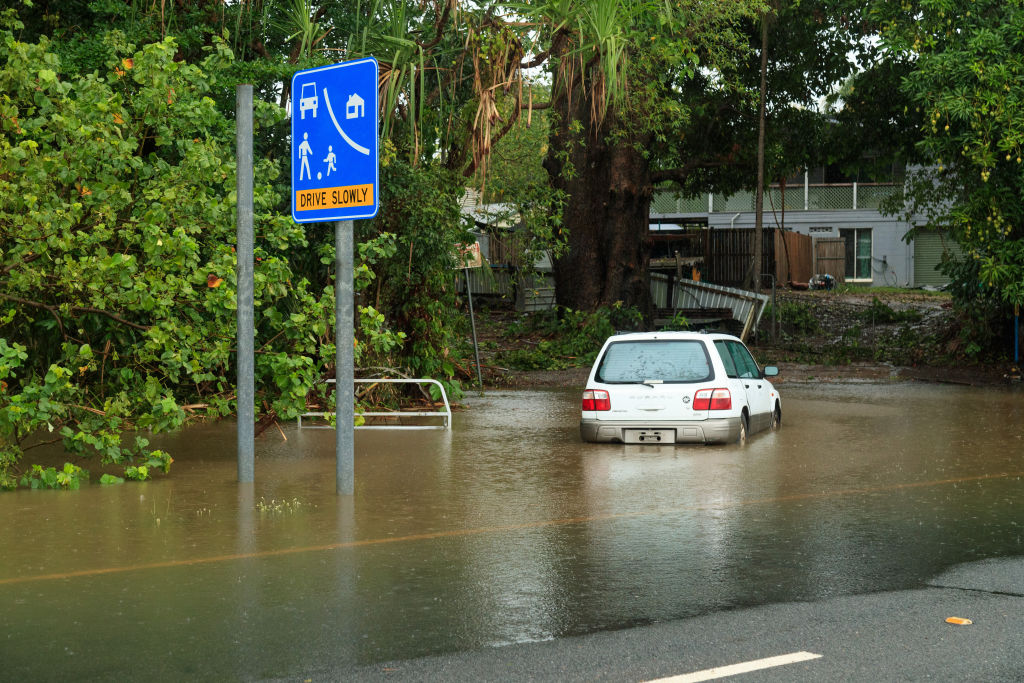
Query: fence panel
[(786, 254), (830, 257), (793, 254), (729, 256)]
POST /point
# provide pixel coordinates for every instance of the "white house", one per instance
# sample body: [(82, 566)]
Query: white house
[(876, 250)]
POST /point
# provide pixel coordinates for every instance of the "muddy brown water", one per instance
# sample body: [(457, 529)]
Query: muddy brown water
[(506, 529)]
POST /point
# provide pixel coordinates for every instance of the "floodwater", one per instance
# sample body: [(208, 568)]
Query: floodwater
[(507, 529)]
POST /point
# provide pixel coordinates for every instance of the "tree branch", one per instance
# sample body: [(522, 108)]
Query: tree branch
[(42, 443), (536, 61), (76, 309), (28, 259), (439, 25), (681, 175), (535, 107), (471, 169)]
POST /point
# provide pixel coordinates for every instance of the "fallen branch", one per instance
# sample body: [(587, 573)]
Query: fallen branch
[(79, 309), (94, 411)]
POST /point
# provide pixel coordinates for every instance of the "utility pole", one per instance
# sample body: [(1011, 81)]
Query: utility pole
[(755, 266)]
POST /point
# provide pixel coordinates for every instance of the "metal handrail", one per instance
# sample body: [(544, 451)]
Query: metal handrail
[(446, 414)]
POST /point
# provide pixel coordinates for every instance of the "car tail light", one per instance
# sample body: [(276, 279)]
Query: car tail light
[(712, 399), (596, 399)]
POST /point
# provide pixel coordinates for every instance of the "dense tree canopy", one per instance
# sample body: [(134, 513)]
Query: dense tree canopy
[(117, 302), (965, 89)]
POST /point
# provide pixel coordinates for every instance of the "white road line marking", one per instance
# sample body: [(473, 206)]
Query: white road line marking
[(736, 669)]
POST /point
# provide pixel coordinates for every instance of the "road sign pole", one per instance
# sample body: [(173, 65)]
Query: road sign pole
[(245, 387), (344, 336), (472, 322), (335, 179)]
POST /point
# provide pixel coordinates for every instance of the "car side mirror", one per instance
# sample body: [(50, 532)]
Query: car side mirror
[(770, 371)]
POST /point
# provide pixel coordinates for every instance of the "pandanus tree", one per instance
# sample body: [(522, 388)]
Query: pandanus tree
[(620, 77), (639, 95)]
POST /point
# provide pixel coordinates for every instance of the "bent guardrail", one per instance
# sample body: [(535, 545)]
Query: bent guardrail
[(446, 414), (745, 307)]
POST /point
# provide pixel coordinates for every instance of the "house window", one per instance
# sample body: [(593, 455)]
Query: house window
[(858, 253)]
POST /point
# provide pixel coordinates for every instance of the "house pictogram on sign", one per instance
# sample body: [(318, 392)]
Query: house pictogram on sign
[(355, 107)]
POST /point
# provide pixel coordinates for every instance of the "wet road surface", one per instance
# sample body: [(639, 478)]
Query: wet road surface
[(505, 530)]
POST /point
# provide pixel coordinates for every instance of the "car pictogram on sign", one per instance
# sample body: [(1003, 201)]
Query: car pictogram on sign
[(308, 100)]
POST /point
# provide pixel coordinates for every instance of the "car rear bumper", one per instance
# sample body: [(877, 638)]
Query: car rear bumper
[(719, 430)]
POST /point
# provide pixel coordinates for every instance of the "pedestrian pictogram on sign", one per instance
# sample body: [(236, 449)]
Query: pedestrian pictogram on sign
[(334, 157)]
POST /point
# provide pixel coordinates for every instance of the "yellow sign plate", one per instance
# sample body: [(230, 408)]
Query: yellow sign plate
[(334, 197)]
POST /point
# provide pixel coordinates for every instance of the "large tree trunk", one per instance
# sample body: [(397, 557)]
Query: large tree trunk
[(606, 215)]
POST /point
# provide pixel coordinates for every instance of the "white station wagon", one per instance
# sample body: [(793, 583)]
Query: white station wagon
[(677, 387)]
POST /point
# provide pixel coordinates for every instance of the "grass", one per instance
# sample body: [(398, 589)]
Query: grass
[(865, 290)]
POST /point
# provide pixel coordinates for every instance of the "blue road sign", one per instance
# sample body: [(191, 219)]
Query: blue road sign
[(334, 142)]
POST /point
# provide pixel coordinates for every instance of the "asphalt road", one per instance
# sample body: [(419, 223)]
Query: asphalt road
[(892, 636)]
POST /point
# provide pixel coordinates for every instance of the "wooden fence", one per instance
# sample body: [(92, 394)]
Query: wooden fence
[(723, 255), (830, 257)]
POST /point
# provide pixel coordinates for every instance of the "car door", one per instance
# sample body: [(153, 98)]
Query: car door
[(756, 388)]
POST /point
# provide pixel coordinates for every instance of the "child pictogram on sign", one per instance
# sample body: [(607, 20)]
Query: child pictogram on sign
[(331, 158)]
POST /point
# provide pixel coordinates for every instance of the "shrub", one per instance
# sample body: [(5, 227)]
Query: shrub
[(880, 313)]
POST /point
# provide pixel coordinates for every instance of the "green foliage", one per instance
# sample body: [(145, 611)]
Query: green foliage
[(880, 313), (69, 477), (117, 301), (305, 29), (411, 282), (966, 86), (907, 347), (794, 318), (677, 322), (574, 337), (117, 220), (980, 315), (137, 473)]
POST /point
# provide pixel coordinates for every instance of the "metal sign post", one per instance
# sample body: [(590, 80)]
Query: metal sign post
[(344, 378), (472, 257), (335, 178), (245, 336)]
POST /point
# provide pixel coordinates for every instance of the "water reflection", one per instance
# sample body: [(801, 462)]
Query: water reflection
[(507, 529)]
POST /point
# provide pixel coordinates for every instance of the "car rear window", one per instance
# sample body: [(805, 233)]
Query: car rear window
[(657, 360)]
